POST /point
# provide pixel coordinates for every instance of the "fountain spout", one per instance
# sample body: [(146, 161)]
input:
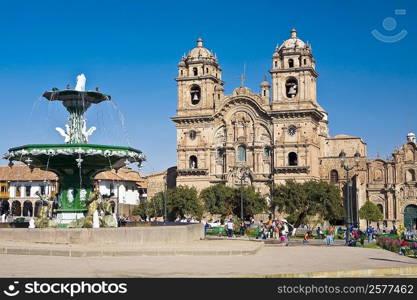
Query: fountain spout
[(80, 83)]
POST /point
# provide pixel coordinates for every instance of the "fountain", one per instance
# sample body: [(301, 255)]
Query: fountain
[(75, 162)]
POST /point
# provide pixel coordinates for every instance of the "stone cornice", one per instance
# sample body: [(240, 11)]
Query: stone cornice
[(292, 70), (196, 78), (193, 119), (301, 113)]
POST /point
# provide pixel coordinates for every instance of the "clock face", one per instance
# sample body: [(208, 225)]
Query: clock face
[(292, 130)]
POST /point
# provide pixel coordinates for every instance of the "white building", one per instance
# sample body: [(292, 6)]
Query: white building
[(19, 185)]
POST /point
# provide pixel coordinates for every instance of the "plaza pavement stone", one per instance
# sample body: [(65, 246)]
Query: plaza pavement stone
[(291, 261)]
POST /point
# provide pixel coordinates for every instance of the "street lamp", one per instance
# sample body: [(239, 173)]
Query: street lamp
[(348, 196), (244, 173), (165, 200)]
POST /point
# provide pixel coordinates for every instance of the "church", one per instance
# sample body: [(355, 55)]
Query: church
[(280, 133)]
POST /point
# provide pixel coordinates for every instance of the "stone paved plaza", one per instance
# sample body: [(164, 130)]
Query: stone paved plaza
[(269, 261)]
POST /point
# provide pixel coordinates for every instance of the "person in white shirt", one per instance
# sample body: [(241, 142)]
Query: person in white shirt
[(230, 226)]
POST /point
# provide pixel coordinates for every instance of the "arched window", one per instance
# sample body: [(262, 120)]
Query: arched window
[(275, 64), (291, 63), (182, 72), (334, 176), (16, 208), (27, 209), (291, 86), (195, 93), (292, 159), (241, 153), (267, 152), (195, 71), (410, 175), (264, 93), (305, 61), (193, 162), (4, 206)]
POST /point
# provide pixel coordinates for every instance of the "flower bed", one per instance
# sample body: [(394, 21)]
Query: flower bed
[(394, 245)]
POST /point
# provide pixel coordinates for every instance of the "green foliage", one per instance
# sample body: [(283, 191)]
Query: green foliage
[(180, 201), (253, 202), (370, 212), (218, 199), (224, 200), (303, 200)]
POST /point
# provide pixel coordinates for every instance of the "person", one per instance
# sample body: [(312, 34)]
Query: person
[(261, 229), (276, 230), (242, 229), (404, 247), (306, 237), (206, 227), (361, 237), (370, 232), (230, 226), (329, 236)]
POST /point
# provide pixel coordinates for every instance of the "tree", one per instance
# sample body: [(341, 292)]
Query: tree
[(151, 208), (183, 201), (223, 200), (253, 202), (218, 199), (302, 200), (180, 202), (370, 212)]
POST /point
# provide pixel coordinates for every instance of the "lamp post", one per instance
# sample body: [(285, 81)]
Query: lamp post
[(348, 195), (165, 200), (244, 173)]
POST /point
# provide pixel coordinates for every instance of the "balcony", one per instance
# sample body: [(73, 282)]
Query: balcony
[(192, 172), (292, 170)]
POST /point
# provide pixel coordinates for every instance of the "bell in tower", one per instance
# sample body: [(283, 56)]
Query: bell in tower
[(199, 82), (293, 73)]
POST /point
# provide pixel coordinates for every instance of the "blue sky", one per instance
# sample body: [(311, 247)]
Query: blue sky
[(130, 49)]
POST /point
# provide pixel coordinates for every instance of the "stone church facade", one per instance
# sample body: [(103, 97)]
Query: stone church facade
[(277, 134)]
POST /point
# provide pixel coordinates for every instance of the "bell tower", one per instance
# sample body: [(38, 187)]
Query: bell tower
[(293, 75), (199, 82), (300, 124)]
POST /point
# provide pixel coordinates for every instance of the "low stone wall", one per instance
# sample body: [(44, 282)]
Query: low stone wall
[(106, 236)]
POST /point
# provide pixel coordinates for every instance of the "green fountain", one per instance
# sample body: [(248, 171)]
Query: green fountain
[(76, 162)]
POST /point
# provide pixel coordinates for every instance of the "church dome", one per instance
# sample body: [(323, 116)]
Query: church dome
[(265, 83), (199, 51), (293, 41)]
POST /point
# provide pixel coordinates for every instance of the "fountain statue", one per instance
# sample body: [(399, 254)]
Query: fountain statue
[(75, 161)]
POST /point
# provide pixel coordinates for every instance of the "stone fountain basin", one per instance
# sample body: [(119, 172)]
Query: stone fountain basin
[(71, 95), (57, 157)]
